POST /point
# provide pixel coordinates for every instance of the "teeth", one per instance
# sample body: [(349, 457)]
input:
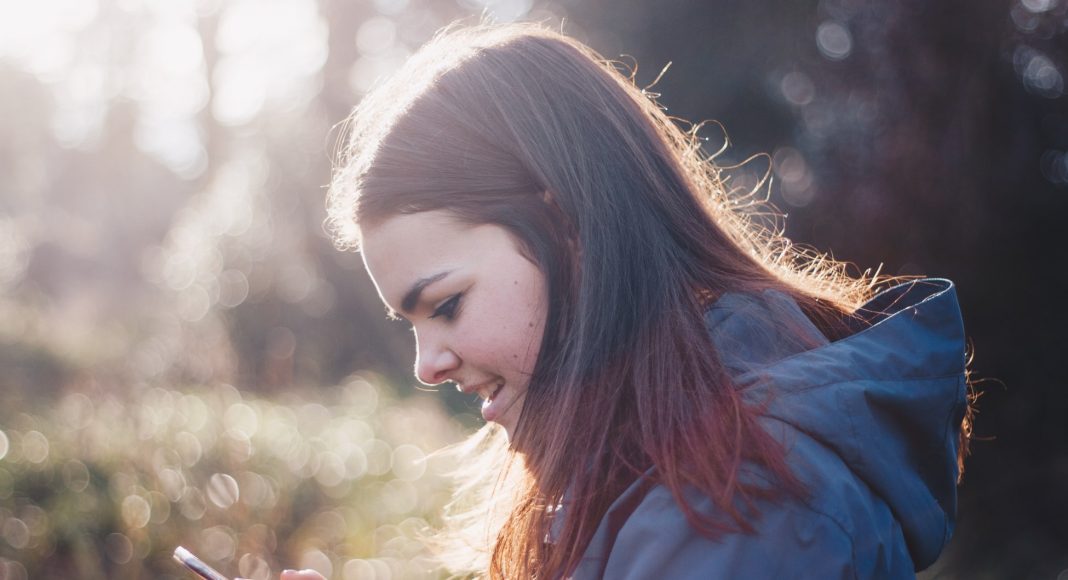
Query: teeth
[(488, 392)]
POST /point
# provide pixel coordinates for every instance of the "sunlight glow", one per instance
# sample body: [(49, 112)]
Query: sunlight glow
[(270, 55), (35, 34)]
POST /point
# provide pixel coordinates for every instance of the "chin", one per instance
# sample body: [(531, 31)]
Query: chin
[(507, 425)]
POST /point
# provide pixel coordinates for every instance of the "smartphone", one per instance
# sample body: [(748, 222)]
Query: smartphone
[(187, 559)]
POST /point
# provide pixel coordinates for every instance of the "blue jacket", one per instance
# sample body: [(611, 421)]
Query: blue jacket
[(870, 423)]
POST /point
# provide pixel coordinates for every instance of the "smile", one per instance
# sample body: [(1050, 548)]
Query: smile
[(494, 406)]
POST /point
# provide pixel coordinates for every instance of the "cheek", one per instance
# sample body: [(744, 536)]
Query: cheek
[(525, 331), (507, 333)]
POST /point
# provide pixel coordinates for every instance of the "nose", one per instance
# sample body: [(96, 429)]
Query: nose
[(434, 361)]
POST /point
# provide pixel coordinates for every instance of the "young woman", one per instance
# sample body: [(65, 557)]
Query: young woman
[(670, 390)]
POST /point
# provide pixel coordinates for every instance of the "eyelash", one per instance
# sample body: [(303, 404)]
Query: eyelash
[(449, 308)]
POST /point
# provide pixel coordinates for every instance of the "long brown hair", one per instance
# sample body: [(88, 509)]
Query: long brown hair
[(634, 230)]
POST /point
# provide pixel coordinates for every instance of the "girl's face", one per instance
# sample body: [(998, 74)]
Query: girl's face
[(476, 304)]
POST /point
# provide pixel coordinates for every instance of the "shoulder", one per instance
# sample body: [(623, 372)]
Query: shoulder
[(791, 541), (750, 330), (870, 425), (840, 530)]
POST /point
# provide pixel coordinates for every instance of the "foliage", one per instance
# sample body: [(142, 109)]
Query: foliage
[(338, 480)]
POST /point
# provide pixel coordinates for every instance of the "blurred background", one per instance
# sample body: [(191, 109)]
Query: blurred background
[(184, 358)]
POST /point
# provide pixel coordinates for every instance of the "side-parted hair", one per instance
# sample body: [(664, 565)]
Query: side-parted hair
[(636, 234)]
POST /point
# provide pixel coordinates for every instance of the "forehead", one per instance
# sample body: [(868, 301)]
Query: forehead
[(408, 243), (408, 247)]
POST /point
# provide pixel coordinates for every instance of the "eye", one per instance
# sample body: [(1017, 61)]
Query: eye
[(448, 308)]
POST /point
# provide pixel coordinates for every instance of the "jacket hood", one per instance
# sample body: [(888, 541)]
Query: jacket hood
[(888, 399)]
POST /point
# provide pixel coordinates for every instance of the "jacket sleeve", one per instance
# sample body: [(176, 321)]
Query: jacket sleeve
[(791, 541)]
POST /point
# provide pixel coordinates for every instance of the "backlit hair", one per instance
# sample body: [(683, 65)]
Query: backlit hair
[(636, 234)]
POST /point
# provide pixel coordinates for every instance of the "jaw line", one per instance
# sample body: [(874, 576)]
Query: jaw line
[(511, 404)]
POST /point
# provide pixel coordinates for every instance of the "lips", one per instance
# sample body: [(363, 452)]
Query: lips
[(495, 399), (495, 405), (486, 390)]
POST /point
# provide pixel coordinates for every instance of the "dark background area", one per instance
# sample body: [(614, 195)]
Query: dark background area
[(933, 148), (917, 137)]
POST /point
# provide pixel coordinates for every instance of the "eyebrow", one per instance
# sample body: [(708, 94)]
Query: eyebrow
[(411, 297)]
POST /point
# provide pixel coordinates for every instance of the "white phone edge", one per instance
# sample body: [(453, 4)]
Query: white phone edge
[(190, 561)]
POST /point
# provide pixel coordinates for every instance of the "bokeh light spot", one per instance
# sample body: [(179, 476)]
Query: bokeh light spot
[(11, 570), (366, 72), (253, 567), (218, 543), (409, 462), (1054, 166), (241, 417), (376, 36), (834, 40), (1041, 76), (362, 396), (193, 303), (241, 90), (797, 88), (192, 506), (790, 166), (383, 571), (16, 533), (1037, 71), (331, 470), (172, 482), (188, 447), (35, 447), (1038, 6), (222, 490), (136, 511), (317, 560), (77, 410), (379, 456), (233, 288), (254, 488), (356, 464)]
